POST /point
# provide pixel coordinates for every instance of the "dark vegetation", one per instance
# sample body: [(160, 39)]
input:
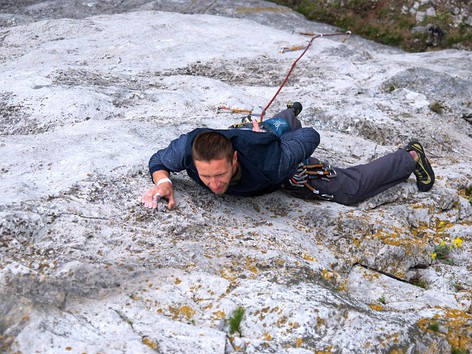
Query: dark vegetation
[(393, 24)]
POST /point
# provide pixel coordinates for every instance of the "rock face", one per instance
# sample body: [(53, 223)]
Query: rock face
[(86, 100)]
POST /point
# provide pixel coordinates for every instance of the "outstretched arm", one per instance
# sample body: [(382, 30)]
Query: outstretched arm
[(160, 165)]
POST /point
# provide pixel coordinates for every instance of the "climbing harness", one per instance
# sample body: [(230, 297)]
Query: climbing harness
[(306, 173)]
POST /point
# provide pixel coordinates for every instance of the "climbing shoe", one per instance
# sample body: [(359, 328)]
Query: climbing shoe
[(423, 171), (296, 106)]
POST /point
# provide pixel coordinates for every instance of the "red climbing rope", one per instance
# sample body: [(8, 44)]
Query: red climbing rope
[(286, 77), (308, 46), (295, 63)]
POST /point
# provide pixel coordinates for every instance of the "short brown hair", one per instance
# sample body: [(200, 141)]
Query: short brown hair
[(211, 145)]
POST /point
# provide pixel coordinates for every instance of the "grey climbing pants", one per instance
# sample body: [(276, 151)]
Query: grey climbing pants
[(355, 184)]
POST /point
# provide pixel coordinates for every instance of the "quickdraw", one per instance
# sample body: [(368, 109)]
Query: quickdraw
[(292, 49), (317, 35), (225, 109), (306, 172), (244, 122)]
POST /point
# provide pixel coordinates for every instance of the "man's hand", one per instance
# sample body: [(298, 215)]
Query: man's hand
[(162, 190), (255, 126)]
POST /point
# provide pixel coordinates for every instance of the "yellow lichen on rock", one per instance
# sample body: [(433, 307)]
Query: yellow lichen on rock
[(376, 307), (150, 343)]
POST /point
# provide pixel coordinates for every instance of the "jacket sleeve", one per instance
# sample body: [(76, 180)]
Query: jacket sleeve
[(296, 146), (171, 158)]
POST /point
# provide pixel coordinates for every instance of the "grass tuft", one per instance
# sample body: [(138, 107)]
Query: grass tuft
[(235, 321)]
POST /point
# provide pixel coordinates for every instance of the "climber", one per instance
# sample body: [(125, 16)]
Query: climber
[(262, 157)]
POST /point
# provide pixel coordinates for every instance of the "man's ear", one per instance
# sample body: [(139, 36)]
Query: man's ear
[(235, 158)]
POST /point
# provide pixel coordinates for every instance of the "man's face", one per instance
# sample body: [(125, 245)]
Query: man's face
[(216, 174)]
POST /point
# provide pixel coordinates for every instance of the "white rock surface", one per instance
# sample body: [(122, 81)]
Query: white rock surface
[(85, 102)]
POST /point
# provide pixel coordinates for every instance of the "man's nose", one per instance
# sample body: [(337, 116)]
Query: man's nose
[(214, 182)]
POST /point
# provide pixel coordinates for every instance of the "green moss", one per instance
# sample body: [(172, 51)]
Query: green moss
[(459, 351), (417, 281), (468, 191), (436, 107), (442, 251), (434, 326)]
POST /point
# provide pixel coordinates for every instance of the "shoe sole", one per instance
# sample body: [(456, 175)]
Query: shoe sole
[(424, 172)]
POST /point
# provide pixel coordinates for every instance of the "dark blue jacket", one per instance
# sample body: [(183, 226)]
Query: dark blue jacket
[(266, 160), (258, 157)]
